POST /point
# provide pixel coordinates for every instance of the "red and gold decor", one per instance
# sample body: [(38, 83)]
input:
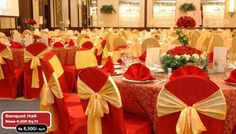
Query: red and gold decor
[(183, 55), (186, 22), (29, 23)]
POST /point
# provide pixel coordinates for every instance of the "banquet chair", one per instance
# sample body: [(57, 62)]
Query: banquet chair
[(110, 41), (191, 104), (203, 42), (33, 79), (118, 42), (66, 109), (85, 58), (83, 42), (188, 70), (149, 42), (11, 80), (101, 100), (193, 40), (216, 41), (232, 49)]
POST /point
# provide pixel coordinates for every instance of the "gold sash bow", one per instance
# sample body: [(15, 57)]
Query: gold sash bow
[(97, 105), (6, 53), (189, 121), (35, 63), (49, 90)]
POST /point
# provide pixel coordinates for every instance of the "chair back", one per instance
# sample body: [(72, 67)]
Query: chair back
[(194, 37), (100, 95), (232, 49), (118, 42), (203, 42), (188, 70), (33, 79), (110, 41), (51, 97), (147, 43), (191, 104), (216, 41), (85, 58), (7, 74)]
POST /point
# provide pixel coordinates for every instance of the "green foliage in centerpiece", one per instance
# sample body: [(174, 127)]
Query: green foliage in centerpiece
[(187, 7), (183, 55), (182, 38), (107, 9)]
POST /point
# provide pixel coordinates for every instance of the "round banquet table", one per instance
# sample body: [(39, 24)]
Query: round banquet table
[(141, 98), (65, 55)]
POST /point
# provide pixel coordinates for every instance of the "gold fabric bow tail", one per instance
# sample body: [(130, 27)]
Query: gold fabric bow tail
[(98, 103)]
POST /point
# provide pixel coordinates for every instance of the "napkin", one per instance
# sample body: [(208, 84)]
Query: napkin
[(143, 56), (58, 44), (16, 45), (71, 43), (188, 70), (138, 72), (232, 77), (108, 67)]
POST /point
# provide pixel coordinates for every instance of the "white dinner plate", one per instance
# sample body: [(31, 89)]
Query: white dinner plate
[(117, 72), (135, 81), (117, 66)]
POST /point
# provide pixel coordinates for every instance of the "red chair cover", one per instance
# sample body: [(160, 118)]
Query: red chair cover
[(70, 116), (10, 85), (29, 92), (188, 70), (87, 44), (190, 89), (115, 122)]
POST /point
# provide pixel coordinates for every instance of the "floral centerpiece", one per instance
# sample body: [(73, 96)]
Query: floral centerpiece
[(182, 55), (29, 24), (186, 22)]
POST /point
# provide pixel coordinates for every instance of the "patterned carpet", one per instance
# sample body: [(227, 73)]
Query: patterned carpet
[(17, 105)]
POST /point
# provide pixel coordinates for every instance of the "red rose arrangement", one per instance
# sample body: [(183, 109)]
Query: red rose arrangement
[(186, 22), (182, 55), (180, 50), (30, 24)]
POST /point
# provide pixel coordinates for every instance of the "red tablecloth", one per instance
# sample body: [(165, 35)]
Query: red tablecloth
[(65, 55), (141, 99)]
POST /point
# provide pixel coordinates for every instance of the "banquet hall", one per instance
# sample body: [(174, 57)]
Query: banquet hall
[(118, 66)]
